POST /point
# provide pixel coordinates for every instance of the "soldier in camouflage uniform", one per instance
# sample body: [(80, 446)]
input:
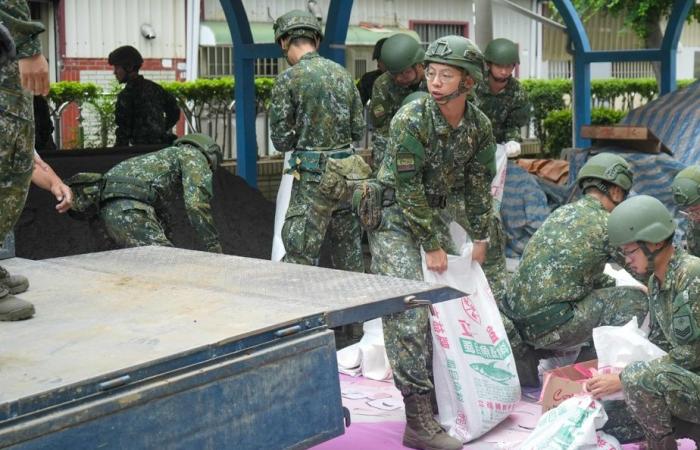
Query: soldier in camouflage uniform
[(403, 58), (559, 292), (686, 194), (21, 67), (662, 395), (132, 196), (433, 141), (145, 112), (316, 114)]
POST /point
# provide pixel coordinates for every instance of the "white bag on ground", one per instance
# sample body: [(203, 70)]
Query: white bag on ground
[(476, 382), (619, 346), (367, 357), (284, 194), (572, 426)]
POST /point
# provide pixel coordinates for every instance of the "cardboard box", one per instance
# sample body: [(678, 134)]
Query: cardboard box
[(564, 382)]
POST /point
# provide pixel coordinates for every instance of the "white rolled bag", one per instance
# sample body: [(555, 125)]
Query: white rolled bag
[(476, 382)]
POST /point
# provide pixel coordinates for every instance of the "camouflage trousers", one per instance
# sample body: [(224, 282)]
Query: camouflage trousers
[(16, 165), (406, 334), (131, 223), (658, 391), (313, 217), (607, 306)]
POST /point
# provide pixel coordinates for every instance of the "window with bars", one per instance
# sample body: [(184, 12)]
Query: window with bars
[(429, 31), (632, 69), (360, 67), (218, 62)]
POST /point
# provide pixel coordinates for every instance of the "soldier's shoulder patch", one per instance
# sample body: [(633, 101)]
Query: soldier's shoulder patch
[(405, 162), (378, 110)]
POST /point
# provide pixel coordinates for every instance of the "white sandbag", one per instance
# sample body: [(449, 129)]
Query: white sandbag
[(284, 194), (572, 426), (367, 357), (476, 382)]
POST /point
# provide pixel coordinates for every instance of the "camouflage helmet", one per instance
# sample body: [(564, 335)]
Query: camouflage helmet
[(401, 52), (87, 190), (297, 23), (640, 218), (204, 144), (502, 51), (686, 187), (125, 56), (606, 167), (457, 51), (414, 96)]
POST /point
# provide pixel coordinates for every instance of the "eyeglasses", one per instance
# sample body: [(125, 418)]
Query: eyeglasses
[(629, 253), (443, 77)]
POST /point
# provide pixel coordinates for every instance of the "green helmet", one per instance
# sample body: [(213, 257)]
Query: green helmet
[(87, 189), (125, 56), (414, 96), (457, 51), (204, 144), (640, 218), (400, 52), (502, 51), (607, 167), (297, 23), (686, 187)]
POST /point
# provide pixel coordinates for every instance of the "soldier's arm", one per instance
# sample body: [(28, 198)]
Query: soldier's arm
[(685, 328), (478, 175), (519, 116), (172, 111), (406, 156), (282, 117), (358, 115), (379, 112), (14, 14), (197, 193), (122, 119)]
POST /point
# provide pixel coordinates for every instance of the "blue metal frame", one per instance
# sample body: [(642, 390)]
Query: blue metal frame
[(583, 57)]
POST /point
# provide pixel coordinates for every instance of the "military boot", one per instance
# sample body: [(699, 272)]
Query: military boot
[(16, 284), (422, 430), (667, 442), (13, 308)]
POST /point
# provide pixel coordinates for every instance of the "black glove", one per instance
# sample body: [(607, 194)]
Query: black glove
[(7, 46)]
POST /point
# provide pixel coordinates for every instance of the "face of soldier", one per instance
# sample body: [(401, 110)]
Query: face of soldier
[(501, 73), (635, 258), (121, 74), (443, 80), (408, 77)]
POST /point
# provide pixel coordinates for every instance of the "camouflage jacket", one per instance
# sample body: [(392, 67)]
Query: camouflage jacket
[(315, 106), (426, 157), (386, 101), (674, 308), (692, 236), (565, 258), (14, 14), (145, 114), (509, 110), (166, 172)]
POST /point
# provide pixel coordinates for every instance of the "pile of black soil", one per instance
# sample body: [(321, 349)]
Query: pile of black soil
[(243, 217)]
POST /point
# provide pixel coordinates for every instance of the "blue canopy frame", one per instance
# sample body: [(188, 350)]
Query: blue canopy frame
[(333, 47)]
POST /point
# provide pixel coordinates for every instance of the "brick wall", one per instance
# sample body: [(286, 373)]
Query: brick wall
[(99, 72)]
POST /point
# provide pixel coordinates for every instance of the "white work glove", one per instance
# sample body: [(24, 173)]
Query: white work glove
[(512, 149)]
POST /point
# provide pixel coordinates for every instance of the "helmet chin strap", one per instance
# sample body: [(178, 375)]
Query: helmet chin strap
[(462, 89), (651, 256)]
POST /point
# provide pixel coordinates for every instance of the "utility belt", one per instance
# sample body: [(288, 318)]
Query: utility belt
[(304, 164), (542, 322), (116, 187)]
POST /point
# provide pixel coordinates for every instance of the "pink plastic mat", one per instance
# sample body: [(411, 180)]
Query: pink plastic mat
[(377, 414)]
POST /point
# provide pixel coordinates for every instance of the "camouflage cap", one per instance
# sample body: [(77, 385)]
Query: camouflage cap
[(640, 218), (204, 144), (125, 56), (457, 51), (686, 187), (297, 23)]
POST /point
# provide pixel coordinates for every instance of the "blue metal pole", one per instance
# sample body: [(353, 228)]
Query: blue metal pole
[(244, 91), (338, 18), (582, 70), (669, 45)]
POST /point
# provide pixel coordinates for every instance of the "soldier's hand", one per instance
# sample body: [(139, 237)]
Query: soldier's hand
[(479, 251), (436, 260), (34, 73), (63, 195), (602, 385)]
